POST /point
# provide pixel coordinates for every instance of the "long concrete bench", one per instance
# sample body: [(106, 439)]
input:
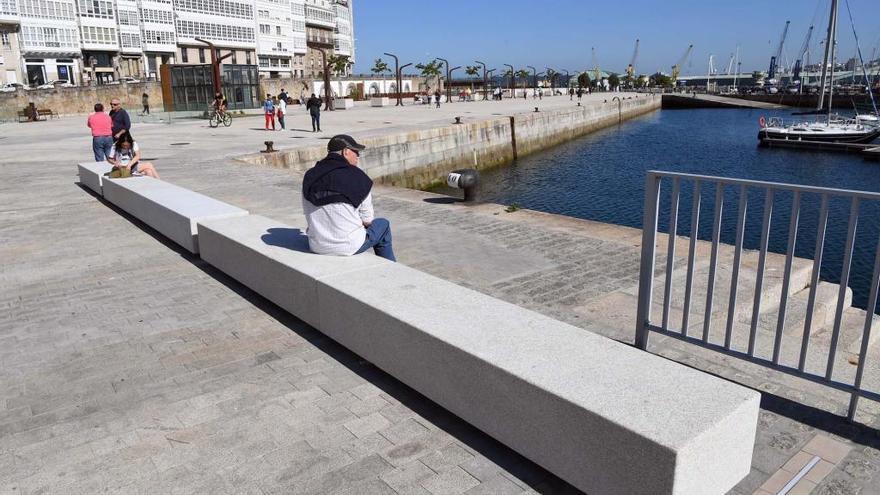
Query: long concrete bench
[(604, 416), (260, 252), (170, 209), (91, 175)]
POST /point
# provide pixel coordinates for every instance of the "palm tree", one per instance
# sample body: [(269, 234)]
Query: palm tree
[(379, 67), (584, 80), (473, 71), (551, 76), (339, 65), (429, 70)]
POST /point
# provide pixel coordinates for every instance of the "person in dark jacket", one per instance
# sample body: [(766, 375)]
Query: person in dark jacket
[(314, 108), (120, 118), (338, 205)]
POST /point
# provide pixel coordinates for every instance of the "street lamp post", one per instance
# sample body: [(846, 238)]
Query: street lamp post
[(534, 78), (567, 78), (488, 74), (446, 64), (512, 80), (449, 80), (485, 80), (400, 81), (397, 78)]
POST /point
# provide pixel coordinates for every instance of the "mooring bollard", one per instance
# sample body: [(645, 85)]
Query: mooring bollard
[(536, 109), (457, 120), (466, 179), (269, 148)]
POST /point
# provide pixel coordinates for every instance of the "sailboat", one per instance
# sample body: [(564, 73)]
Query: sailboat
[(833, 128)]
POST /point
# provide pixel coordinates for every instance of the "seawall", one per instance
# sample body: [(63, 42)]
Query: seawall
[(419, 156)]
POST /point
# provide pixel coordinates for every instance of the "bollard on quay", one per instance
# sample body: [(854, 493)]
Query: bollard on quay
[(269, 148), (466, 179)]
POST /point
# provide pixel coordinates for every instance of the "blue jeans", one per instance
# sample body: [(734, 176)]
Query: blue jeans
[(316, 122), (379, 238), (102, 145)]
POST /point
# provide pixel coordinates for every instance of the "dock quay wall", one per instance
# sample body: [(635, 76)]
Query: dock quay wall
[(420, 156)]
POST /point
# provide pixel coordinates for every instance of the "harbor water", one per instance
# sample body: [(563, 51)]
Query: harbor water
[(601, 177)]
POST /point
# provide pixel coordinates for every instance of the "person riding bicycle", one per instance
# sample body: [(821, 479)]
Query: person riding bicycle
[(220, 104)]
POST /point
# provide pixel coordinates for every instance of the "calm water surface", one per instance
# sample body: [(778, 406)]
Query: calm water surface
[(601, 177)]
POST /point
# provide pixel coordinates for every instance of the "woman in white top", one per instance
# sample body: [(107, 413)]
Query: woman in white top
[(280, 110), (126, 154)]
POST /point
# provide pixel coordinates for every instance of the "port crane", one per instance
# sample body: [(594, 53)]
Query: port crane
[(801, 56), (631, 68), (774, 60), (676, 69)]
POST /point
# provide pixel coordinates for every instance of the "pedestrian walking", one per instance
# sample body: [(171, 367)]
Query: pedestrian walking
[(281, 110), (282, 95), (120, 118), (102, 132), (437, 97), (570, 94), (269, 111), (145, 101), (314, 108)]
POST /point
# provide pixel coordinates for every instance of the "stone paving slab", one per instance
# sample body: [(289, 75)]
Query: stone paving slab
[(127, 365)]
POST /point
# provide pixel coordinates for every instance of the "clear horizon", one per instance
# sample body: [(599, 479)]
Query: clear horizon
[(562, 35)]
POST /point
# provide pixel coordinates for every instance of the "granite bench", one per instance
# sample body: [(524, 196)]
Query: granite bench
[(604, 416), (170, 209), (91, 175)]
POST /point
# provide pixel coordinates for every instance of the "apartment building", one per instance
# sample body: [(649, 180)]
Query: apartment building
[(101, 41)]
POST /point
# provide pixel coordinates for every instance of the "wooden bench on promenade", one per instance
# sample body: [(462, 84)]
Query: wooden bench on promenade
[(606, 417)]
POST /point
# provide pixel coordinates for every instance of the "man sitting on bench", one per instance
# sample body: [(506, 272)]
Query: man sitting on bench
[(339, 206)]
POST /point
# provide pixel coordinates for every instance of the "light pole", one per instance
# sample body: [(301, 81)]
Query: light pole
[(512, 80), (448, 90), (449, 80), (488, 74), (397, 78), (534, 78), (400, 81), (485, 80), (567, 78)]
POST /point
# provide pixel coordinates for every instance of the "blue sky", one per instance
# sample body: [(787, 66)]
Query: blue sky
[(560, 34)]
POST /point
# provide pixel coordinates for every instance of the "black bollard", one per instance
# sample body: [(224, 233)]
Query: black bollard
[(466, 179), (269, 148), (457, 120)]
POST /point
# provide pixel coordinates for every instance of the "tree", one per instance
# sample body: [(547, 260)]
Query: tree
[(614, 81), (584, 80), (473, 71), (429, 70), (338, 65), (551, 76), (662, 80), (380, 67)]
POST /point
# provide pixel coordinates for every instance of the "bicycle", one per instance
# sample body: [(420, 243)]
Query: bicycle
[(218, 117)]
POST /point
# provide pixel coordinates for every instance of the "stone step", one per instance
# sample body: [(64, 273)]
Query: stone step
[(770, 293)]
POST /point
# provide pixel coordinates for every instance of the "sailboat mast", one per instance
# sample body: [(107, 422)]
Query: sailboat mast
[(829, 42), (833, 43)]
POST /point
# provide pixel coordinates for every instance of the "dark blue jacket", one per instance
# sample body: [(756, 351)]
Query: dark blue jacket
[(120, 121)]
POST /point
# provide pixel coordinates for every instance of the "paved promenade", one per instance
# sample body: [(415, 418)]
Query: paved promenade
[(130, 366)]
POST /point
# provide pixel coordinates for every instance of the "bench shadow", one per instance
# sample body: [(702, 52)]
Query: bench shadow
[(524, 470), (294, 239)]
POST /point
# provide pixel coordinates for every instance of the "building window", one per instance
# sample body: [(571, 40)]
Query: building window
[(278, 30), (247, 58), (4, 38), (184, 55), (201, 55)]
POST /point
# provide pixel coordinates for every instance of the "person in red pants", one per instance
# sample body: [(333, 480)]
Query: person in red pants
[(269, 110)]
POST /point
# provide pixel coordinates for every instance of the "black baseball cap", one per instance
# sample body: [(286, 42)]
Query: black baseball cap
[(340, 142)]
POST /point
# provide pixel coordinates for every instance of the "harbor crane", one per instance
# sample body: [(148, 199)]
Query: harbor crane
[(801, 56), (774, 60), (631, 68), (730, 64), (676, 69)]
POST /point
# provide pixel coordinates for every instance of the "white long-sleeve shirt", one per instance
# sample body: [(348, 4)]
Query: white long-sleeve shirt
[(338, 228)]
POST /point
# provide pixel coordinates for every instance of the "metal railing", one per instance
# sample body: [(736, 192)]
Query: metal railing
[(646, 325)]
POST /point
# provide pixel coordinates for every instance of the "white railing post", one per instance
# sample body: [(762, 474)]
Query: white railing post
[(646, 271)]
